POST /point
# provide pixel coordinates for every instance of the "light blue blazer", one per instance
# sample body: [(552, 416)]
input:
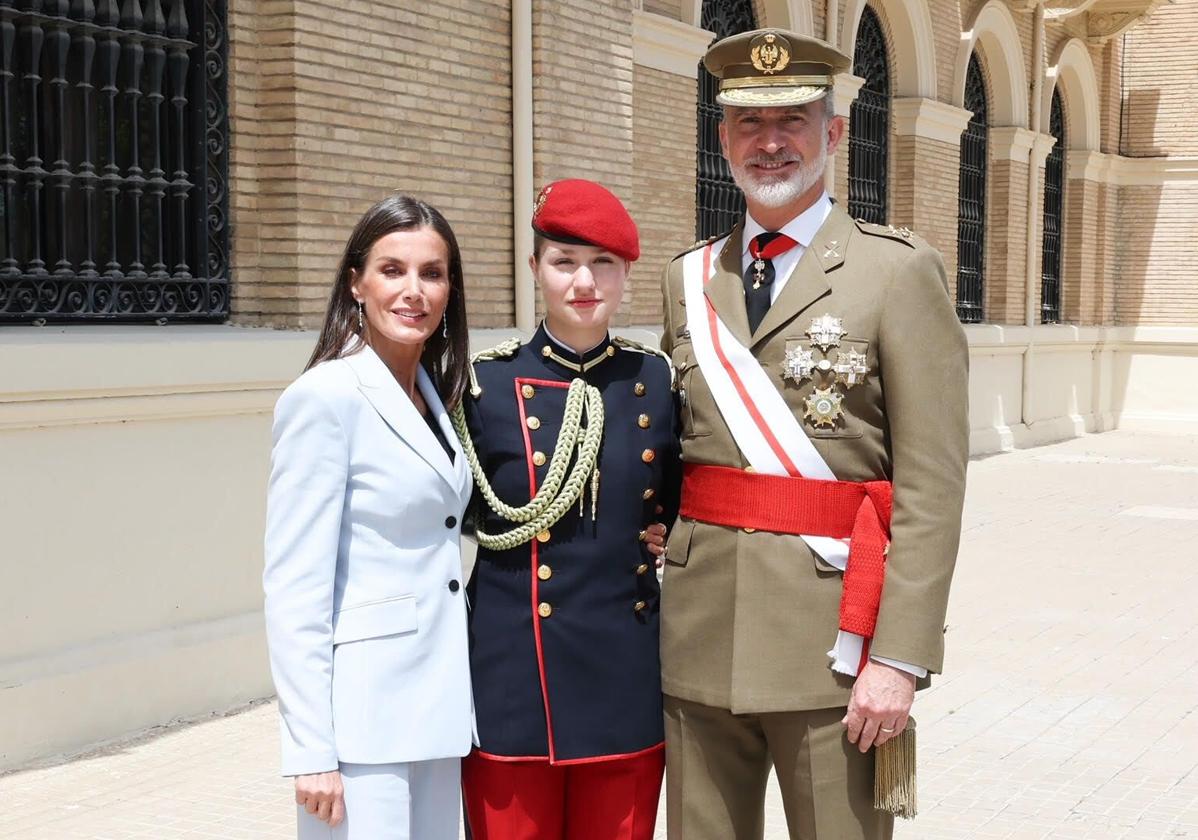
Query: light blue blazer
[(365, 601)]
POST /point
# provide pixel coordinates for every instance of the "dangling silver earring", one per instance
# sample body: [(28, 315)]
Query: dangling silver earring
[(445, 324), (361, 319)]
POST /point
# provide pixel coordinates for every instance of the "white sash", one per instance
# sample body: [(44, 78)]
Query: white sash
[(762, 424)]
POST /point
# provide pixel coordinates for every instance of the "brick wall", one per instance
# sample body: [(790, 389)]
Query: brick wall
[(356, 99), (1005, 267), (1156, 266), (1160, 73), (663, 194)]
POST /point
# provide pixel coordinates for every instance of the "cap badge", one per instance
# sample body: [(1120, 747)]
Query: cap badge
[(770, 53), (541, 199)]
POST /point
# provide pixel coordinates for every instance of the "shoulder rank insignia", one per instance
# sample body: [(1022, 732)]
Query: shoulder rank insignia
[(899, 234), (502, 350), (648, 350)]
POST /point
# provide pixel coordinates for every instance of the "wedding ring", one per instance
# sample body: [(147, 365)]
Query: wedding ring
[(884, 729)]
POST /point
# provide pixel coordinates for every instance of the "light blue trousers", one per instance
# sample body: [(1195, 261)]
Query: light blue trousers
[(419, 800)]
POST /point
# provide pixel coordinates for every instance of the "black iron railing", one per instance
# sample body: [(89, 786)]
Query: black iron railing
[(113, 160), (719, 203), (869, 124), (1054, 193), (971, 201)]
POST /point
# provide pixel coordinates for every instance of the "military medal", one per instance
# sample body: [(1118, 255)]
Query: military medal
[(826, 331), (822, 408), (758, 272), (799, 364), (851, 368)]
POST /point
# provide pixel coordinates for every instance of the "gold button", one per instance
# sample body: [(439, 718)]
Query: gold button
[(750, 530), (538, 458), (639, 389), (641, 536), (533, 423), (648, 494), (750, 469), (643, 421), (543, 536), (528, 391), (648, 455), (546, 351), (641, 569), (544, 610), (611, 351), (544, 572), (639, 605)]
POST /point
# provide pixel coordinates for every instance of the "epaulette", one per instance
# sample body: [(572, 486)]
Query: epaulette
[(701, 243), (502, 350), (648, 350), (898, 234)]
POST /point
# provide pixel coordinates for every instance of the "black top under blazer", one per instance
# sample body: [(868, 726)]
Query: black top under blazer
[(564, 630)]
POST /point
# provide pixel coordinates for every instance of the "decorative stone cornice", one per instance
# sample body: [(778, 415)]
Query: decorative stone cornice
[(1089, 165), (1107, 19), (844, 92), (668, 45), (919, 117), (1010, 142)]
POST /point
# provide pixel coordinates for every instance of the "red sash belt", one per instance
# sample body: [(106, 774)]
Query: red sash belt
[(795, 505)]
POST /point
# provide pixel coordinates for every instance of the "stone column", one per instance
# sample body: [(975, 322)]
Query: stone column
[(1083, 284), (844, 94), (925, 159)]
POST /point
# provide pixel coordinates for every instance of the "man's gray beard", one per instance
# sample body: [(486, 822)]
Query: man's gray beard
[(775, 193)]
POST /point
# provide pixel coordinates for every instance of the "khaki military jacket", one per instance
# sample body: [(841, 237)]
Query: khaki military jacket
[(747, 618)]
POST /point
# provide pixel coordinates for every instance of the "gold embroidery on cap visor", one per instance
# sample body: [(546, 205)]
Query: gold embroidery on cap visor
[(775, 96)]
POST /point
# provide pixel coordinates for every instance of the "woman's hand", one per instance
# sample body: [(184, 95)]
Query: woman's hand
[(322, 794), (655, 541)]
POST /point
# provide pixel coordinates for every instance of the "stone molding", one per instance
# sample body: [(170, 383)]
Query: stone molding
[(671, 46), (919, 117)]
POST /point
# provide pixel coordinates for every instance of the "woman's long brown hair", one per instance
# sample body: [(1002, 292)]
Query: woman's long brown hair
[(445, 359)]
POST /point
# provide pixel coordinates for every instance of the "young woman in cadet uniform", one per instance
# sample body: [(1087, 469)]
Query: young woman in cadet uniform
[(574, 445)]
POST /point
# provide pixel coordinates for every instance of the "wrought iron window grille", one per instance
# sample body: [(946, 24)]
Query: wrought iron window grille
[(719, 204), (1054, 193), (113, 161), (869, 124), (971, 201)]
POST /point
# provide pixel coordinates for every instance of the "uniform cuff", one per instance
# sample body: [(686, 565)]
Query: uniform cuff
[(917, 671)]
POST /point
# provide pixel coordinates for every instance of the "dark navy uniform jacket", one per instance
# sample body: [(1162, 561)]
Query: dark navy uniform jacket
[(564, 630)]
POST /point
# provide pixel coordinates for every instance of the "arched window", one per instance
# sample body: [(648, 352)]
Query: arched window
[(718, 202), (869, 123), (1054, 192), (971, 200)]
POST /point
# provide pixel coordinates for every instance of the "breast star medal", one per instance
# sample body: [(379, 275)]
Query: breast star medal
[(851, 368), (822, 408), (798, 364), (826, 331)]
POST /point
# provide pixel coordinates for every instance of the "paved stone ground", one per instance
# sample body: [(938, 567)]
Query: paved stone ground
[(1068, 710)]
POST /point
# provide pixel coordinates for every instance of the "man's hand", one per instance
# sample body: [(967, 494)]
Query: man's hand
[(879, 706), (322, 794)]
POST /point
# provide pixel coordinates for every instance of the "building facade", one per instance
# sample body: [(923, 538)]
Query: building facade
[(225, 149)]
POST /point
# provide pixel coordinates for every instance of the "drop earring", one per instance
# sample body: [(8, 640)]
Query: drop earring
[(445, 324), (361, 319)]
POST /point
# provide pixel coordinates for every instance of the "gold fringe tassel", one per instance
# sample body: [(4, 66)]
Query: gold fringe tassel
[(894, 774)]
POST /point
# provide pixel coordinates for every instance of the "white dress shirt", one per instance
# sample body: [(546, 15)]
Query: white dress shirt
[(802, 229)]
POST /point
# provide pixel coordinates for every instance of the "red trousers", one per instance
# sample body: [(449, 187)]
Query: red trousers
[(534, 800)]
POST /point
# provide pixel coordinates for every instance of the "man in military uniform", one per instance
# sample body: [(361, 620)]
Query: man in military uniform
[(825, 439)]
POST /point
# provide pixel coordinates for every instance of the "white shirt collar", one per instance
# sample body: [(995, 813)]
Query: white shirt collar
[(802, 228)]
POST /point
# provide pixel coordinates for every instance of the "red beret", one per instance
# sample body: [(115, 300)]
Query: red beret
[(582, 212)]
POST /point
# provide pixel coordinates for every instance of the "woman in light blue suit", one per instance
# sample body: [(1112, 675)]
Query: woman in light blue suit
[(365, 611)]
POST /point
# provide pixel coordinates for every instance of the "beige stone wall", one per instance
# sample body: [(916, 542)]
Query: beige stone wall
[(663, 193), (1159, 99), (1006, 242), (337, 104), (1156, 266), (667, 8)]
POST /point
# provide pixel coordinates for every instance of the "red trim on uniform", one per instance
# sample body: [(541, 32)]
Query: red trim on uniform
[(544, 759), (762, 426), (534, 553)]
